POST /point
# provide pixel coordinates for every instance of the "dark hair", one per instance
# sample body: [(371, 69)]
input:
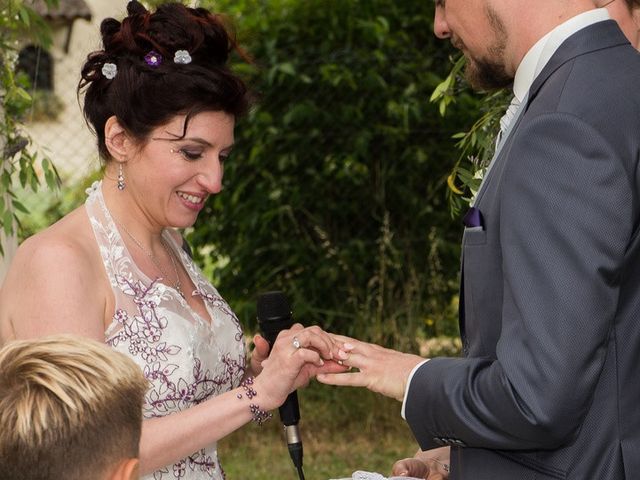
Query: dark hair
[(633, 4), (144, 97)]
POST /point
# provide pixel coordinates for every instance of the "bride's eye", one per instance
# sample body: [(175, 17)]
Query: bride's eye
[(189, 154)]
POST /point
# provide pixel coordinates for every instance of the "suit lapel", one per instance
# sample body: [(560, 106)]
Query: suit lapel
[(598, 36), (595, 37)]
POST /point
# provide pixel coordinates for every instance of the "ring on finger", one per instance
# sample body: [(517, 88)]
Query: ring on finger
[(296, 343)]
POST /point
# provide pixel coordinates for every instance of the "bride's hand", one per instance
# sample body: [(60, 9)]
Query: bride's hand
[(259, 354), (298, 354)]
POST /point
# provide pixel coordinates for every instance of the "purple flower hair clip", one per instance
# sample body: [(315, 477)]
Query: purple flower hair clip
[(153, 59)]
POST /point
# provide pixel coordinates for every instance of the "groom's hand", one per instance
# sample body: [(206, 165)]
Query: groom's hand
[(379, 369), (429, 464)]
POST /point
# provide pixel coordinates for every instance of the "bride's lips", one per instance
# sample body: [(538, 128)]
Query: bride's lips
[(192, 201)]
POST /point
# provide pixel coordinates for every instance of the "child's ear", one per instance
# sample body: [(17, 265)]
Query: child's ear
[(127, 469)]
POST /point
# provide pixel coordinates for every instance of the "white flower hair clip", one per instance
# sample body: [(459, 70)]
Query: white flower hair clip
[(109, 70), (182, 56)]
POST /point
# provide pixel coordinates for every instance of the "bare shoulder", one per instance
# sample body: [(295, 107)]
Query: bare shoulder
[(54, 283), (64, 244)]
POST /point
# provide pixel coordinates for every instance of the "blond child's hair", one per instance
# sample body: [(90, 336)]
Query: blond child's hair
[(70, 408)]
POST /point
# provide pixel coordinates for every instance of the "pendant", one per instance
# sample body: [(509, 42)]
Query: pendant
[(179, 290)]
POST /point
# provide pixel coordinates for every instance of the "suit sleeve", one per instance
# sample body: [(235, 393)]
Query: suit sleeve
[(566, 216)]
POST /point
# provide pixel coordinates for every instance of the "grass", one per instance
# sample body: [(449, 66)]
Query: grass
[(342, 429)]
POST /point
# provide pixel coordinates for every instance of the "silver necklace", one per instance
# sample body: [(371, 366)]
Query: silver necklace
[(177, 284)]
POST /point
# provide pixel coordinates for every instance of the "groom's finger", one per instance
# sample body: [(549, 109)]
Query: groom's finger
[(355, 379), (352, 359), (343, 338), (331, 366)]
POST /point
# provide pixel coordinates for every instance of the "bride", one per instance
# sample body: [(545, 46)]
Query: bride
[(163, 104)]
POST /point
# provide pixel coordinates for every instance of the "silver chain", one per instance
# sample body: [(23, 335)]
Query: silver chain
[(177, 284)]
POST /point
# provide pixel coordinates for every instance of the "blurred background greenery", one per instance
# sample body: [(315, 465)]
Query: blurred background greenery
[(336, 193)]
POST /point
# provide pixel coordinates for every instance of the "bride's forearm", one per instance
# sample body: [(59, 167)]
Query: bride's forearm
[(168, 439)]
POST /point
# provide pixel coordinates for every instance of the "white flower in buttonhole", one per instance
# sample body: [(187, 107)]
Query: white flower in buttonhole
[(479, 175)]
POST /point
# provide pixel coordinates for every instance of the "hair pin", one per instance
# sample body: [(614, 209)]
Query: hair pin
[(109, 70), (153, 59), (182, 56)]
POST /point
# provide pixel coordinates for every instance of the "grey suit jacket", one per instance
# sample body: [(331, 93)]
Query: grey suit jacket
[(549, 387)]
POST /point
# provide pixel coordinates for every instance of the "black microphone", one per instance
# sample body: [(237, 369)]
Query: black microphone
[(274, 315)]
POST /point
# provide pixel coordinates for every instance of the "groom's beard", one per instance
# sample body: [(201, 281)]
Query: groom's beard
[(489, 72)]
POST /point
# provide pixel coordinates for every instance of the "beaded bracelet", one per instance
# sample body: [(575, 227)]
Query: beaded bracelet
[(259, 416)]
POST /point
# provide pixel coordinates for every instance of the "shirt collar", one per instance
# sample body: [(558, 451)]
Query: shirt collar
[(542, 51)]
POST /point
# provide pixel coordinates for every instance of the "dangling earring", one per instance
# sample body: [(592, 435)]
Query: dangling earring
[(120, 177)]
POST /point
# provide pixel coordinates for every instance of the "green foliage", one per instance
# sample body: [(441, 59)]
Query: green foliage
[(46, 106), (336, 189), (476, 145), (50, 205), (17, 163)]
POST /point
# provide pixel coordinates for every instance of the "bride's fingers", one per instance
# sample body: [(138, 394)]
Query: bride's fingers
[(309, 338), (309, 356)]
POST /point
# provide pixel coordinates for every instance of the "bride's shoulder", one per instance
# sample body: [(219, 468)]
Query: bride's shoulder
[(66, 245), (54, 283)]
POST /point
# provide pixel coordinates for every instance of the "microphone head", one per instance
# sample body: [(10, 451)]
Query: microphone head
[(274, 314), (273, 305)]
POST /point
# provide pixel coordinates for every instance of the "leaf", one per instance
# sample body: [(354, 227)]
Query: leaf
[(452, 186), (7, 222), (24, 16), (440, 90), (443, 108), (23, 177), (287, 68), (19, 206)]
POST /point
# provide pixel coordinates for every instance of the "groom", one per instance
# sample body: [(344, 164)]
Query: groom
[(550, 297)]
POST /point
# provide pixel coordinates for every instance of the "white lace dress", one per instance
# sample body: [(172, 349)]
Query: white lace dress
[(185, 358)]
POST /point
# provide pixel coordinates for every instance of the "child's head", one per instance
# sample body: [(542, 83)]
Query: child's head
[(70, 408)]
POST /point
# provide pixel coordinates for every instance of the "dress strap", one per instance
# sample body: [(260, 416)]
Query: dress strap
[(104, 229)]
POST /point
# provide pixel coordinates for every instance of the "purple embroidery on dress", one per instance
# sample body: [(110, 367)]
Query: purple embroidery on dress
[(216, 301), (179, 469), (141, 334), (186, 360), (170, 396), (158, 474), (201, 461), (142, 331)]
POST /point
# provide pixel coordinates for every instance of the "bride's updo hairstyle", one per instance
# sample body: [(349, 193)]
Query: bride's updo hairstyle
[(154, 66)]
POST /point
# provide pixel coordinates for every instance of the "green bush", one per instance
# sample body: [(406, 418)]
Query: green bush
[(336, 191)]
